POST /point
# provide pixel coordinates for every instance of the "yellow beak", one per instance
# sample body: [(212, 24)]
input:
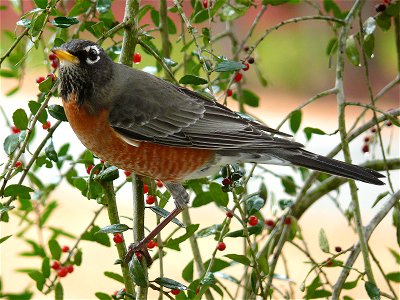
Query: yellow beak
[(66, 56)]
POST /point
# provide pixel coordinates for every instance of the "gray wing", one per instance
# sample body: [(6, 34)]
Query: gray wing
[(155, 110)]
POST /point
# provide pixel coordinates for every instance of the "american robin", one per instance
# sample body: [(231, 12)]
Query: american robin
[(154, 128)]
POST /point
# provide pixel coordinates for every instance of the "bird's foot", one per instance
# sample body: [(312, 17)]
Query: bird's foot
[(134, 249)]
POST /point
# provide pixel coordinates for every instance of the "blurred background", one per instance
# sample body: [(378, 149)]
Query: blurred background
[(294, 62)]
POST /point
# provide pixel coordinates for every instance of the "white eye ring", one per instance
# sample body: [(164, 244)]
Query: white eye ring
[(95, 48)]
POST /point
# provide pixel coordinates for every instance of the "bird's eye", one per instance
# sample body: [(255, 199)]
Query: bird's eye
[(92, 56)]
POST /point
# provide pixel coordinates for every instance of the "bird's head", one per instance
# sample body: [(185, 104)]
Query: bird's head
[(85, 70)]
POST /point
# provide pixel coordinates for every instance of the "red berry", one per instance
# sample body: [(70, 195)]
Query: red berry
[(53, 77), (205, 3), (388, 123), (387, 1), (145, 189), (159, 183), (150, 199), (238, 77), (55, 265), (221, 246), (46, 125), (229, 214), (137, 58), (380, 7), (40, 79), (270, 223), (52, 56), (127, 173), (229, 92), (373, 129), (176, 292), (226, 181), (54, 64), (329, 262), (250, 60), (89, 169), (366, 139), (253, 221), (116, 293), (18, 164), (151, 244), (15, 130), (138, 255), (365, 148), (288, 220), (65, 249), (247, 67), (118, 238), (62, 272), (70, 268), (338, 249)]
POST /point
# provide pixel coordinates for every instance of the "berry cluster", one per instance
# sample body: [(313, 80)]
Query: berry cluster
[(231, 179), (238, 75), (62, 270), (369, 139)]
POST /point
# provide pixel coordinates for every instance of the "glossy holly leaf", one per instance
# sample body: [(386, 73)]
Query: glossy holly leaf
[(351, 284), (103, 6), (18, 190), (242, 259), (46, 85), (55, 249), (103, 296), (332, 46), (200, 16), (57, 112), (249, 98), (137, 272), (38, 278), (288, 184), (352, 51), (208, 279), (369, 45), (58, 292), (383, 21), (295, 120), (34, 108), (323, 241), (50, 152), (114, 228), (20, 119), (170, 283), (38, 24), (369, 26), (309, 131), (64, 22), (11, 144), (251, 230), (211, 230), (187, 273), (217, 195), (394, 276), (46, 267), (192, 79), (78, 258), (41, 3), (263, 264), (229, 66), (218, 265), (254, 204), (164, 213), (109, 174), (114, 276), (372, 291), (174, 243)]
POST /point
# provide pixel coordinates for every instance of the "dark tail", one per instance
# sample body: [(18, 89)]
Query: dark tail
[(317, 162)]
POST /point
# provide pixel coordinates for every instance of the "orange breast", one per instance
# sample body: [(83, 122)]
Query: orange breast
[(148, 159)]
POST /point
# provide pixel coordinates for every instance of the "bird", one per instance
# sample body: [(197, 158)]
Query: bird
[(146, 125)]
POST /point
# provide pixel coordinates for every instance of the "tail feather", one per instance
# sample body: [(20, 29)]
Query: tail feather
[(317, 162)]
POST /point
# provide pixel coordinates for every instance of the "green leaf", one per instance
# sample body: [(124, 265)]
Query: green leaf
[(114, 228), (103, 6), (229, 66), (41, 3), (239, 258), (295, 120), (58, 292), (174, 243), (55, 249), (332, 46), (39, 278), (372, 291), (11, 144), (137, 272), (352, 51), (274, 2), (311, 130), (316, 283), (46, 85), (5, 238), (34, 108), (318, 294), (200, 17), (192, 79), (351, 284), (201, 199), (209, 231), (64, 22), (163, 213), (109, 174), (187, 273), (103, 296), (38, 24), (8, 73), (251, 230), (208, 279), (263, 264), (369, 45), (396, 255), (47, 212), (20, 119), (50, 152), (78, 258), (170, 283), (323, 241), (114, 276), (394, 276), (254, 204), (217, 195), (46, 267), (57, 112), (380, 197), (249, 98), (218, 265), (18, 190), (289, 185)]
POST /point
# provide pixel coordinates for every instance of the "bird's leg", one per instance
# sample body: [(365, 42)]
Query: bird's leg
[(181, 198)]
